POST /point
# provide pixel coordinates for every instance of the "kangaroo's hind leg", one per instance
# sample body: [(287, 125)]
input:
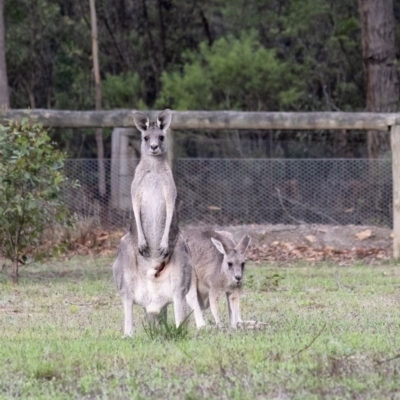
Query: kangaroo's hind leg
[(127, 302), (234, 308), (123, 272), (181, 275), (193, 301)]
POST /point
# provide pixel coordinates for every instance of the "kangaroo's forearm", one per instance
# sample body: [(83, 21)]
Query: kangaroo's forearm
[(168, 220), (136, 212), (170, 205)]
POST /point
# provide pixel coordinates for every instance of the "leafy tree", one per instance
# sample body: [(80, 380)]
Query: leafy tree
[(152, 51), (231, 74), (31, 180), (123, 91), (318, 39), (41, 48)]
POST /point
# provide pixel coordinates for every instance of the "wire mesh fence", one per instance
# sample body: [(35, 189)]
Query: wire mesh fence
[(245, 191)]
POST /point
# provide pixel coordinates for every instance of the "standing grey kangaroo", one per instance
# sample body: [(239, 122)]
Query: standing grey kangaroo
[(153, 267), (218, 264)]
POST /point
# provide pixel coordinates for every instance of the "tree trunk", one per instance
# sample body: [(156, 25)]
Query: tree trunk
[(99, 131), (379, 54), (15, 273), (4, 96)]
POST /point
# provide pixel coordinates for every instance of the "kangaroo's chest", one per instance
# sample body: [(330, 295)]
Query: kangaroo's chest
[(156, 192)]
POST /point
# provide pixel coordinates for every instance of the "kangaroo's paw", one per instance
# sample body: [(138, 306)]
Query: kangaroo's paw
[(143, 248), (164, 249)]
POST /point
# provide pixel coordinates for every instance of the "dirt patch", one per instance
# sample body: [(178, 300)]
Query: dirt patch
[(340, 237), (280, 242), (315, 242)]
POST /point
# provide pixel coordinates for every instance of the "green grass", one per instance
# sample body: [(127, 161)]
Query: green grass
[(61, 338)]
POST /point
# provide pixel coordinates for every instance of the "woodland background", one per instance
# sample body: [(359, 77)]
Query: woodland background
[(276, 55)]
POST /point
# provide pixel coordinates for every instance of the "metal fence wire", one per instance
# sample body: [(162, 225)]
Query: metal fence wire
[(245, 191)]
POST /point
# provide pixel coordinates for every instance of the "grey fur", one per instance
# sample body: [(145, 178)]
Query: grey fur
[(218, 264), (153, 267), (153, 189)]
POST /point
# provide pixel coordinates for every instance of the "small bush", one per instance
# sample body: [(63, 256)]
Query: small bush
[(31, 179), (46, 371), (164, 330)]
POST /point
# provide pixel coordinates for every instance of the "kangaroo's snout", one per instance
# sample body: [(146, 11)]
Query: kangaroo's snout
[(154, 146)]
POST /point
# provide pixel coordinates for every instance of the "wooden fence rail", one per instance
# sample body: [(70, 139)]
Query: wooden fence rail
[(215, 120), (210, 119)]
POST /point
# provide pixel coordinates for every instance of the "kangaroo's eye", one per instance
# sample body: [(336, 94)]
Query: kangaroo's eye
[(146, 138), (242, 265), (161, 138), (230, 265)]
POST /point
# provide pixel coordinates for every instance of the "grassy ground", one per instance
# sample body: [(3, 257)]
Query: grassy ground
[(61, 337)]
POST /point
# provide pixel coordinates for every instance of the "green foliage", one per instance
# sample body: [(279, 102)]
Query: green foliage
[(122, 91), (165, 330), (48, 63), (319, 40), (301, 55), (231, 74), (31, 180), (46, 371)]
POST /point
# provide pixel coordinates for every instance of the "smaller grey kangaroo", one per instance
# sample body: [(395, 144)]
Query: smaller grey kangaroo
[(218, 264), (153, 267)]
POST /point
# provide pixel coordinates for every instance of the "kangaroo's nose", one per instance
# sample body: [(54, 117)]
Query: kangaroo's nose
[(238, 278), (154, 146)]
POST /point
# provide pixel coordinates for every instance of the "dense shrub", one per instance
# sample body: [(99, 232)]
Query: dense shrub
[(31, 179)]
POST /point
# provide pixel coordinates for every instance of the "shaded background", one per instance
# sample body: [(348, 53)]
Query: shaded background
[(286, 55)]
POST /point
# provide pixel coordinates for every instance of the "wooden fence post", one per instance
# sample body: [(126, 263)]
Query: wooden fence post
[(115, 161), (395, 144), (122, 157)]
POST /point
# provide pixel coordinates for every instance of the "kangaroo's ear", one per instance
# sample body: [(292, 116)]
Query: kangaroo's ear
[(219, 246), (242, 246), (164, 119), (141, 121)]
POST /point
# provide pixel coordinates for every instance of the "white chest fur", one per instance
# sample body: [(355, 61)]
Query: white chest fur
[(153, 292)]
